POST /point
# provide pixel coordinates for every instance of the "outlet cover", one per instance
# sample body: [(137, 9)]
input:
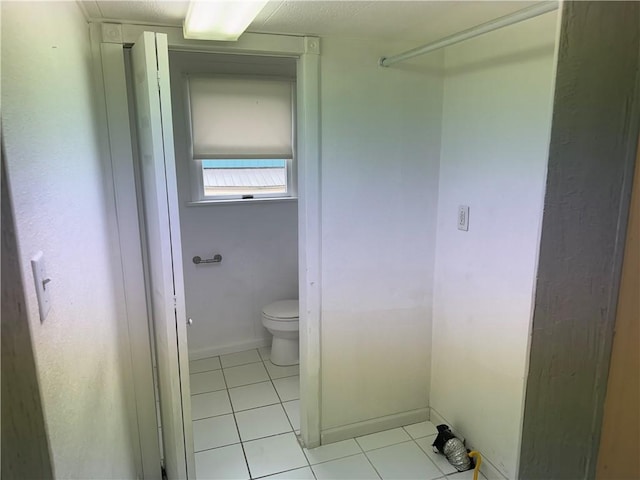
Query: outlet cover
[(463, 217)]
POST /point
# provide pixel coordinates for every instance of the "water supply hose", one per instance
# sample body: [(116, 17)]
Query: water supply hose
[(476, 455)]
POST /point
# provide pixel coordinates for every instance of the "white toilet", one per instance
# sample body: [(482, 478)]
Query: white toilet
[(282, 320)]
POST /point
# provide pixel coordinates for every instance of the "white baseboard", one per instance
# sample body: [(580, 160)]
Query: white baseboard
[(216, 350), (487, 468), (374, 425)]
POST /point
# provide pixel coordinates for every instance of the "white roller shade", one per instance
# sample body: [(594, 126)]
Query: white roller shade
[(241, 117)]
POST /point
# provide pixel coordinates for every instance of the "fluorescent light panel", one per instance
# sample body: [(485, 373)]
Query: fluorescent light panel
[(220, 20)]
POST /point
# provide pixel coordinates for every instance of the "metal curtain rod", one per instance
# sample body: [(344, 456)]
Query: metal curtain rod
[(519, 16)]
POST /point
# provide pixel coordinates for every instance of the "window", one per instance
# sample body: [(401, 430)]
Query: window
[(242, 137), (244, 177)]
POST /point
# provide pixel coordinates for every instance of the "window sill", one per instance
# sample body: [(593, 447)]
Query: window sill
[(241, 201)]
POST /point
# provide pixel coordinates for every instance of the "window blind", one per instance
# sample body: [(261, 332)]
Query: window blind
[(241, 117)]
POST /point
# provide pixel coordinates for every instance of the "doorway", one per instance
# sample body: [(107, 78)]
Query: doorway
[(306, 52), (238, 396), (256, 238)]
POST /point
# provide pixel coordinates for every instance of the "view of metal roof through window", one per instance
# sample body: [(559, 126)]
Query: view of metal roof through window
[(244, 176)]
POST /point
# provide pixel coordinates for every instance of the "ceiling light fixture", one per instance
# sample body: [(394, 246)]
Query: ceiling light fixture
[(222, 20)]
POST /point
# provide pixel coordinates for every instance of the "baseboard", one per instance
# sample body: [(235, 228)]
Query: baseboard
[(224, 349), (487, 468), (374, 425)]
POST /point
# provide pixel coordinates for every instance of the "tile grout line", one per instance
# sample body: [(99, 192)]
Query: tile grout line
[(283, 471), (221, 366), (280, 398), (246, 385), (218, 447), (415, 440), (235, 420), (346, 456), (238, 386), (391, 445), (434, 463), (205, 393), (371, 463), (281, 403), (288, 420), (274, 385), (234, 412), (256, 439), (313, 473), (335, 459), (365, 452), (240, 364), (309, 466), (412, 440)]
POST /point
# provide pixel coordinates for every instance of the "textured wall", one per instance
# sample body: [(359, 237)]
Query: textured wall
[(380, 146), (259, 245), (593, 141), (58, 194), (496, 123), (25, 450)]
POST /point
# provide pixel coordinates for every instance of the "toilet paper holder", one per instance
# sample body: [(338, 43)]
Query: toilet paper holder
[(217, 258)]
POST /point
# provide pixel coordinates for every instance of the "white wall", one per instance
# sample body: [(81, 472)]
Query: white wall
[(380, 148), (58, 192), (495, 138), (258, 242)]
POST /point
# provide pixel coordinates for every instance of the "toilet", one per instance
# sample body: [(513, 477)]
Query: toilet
[(282, 320)]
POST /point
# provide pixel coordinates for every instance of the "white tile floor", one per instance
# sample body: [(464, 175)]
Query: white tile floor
[(245, 414)]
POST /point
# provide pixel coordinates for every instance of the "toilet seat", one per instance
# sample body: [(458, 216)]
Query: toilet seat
[(282, 311)]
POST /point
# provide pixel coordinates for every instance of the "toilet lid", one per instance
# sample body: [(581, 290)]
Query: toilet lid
[(282, 310)]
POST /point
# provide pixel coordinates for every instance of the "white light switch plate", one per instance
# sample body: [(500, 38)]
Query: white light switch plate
[(463, 217), (43, 285)]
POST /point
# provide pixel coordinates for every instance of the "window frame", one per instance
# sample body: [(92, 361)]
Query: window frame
[(195, 165)]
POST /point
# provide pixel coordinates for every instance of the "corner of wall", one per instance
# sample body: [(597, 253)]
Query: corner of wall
[(61, 208), (484, 276)]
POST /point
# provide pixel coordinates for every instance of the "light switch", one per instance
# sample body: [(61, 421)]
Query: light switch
[(463, 217), (43, 285)]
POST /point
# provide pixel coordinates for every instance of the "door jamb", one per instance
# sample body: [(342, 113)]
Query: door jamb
[(113, 118), (107, 41)]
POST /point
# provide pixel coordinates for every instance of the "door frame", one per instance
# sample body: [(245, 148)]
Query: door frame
[(107, 42), (618, 441)]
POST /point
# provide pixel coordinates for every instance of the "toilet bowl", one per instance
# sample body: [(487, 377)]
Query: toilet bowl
[(282, 320)]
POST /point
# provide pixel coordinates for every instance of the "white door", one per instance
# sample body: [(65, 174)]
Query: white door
[(155, 136)]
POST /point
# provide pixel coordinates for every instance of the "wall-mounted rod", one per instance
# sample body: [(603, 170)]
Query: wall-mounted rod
[(217, 258), (519, 16)]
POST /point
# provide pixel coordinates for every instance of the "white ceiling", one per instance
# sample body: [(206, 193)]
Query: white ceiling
[(417, 21)]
